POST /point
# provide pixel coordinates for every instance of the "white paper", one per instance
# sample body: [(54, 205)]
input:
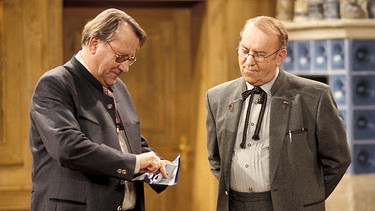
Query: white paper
[(157, 178)]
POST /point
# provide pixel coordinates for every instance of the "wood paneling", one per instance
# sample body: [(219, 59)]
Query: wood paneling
[(1, 67), (30, 38), (10, 152)]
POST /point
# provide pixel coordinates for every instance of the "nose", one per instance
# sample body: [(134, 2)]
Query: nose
[(124, 67), (249, 59)]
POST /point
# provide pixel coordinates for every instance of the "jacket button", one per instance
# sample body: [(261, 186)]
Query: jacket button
[(121, 171), (226, 193), (109, 106), (119, 208)]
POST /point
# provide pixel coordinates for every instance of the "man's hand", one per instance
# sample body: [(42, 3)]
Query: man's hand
[(150, 162)]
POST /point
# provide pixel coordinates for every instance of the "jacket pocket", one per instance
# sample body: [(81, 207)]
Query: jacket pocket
[(67, 201)]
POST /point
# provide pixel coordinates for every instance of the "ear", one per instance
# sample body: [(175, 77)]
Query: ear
[(281, 56), (93, 44)]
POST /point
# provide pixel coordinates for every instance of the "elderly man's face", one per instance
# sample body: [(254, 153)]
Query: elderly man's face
[(258, 44), (105, 64)]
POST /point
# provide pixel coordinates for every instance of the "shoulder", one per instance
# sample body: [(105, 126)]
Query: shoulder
[(227, 87), (303, 84), (57, 72), (57, 75)]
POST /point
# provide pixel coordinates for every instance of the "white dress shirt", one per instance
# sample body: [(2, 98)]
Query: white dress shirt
[(250, 166)]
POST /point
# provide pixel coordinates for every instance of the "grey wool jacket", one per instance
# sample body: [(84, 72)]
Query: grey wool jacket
[(304, 172)]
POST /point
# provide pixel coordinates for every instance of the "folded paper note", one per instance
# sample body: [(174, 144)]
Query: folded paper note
[(157, 178)]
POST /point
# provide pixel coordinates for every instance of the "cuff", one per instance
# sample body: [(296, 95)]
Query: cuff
[(137, 164)]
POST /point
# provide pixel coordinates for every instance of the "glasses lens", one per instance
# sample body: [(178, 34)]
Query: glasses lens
[(259, 58), (121, 59)]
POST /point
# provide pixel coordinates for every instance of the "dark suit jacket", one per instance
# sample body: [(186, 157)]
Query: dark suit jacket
[(77, 159), (303, 172)]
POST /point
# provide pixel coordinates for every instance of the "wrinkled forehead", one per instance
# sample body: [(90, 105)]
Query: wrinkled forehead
[(254, 38)]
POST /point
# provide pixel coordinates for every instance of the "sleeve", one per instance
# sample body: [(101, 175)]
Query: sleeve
[(333, 151), (57, 130), (212, 143)]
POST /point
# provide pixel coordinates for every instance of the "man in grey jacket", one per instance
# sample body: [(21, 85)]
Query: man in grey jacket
[(275, 140), (85, 134)]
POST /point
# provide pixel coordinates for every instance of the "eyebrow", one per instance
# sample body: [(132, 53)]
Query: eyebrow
[(256, 52)]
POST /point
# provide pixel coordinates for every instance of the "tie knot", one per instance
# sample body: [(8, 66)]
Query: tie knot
[(255, 90)]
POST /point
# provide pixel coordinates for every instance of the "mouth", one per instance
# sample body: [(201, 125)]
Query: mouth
[(250, 70), (116, 73)]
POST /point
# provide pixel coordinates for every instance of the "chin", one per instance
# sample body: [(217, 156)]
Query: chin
[(248, 79)]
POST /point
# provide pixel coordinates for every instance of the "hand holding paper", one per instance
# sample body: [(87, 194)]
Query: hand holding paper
[(172, 169)]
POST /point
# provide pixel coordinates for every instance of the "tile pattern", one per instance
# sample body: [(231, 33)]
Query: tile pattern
[(348, 66)]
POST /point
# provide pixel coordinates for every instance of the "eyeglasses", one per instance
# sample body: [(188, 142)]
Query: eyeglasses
[(257, 56), (123, 58)]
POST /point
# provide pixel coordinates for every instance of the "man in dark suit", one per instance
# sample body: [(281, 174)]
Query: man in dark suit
[(289, 150), (85, 135)]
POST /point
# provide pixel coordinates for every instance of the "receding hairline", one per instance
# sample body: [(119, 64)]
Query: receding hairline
[(270, 26)]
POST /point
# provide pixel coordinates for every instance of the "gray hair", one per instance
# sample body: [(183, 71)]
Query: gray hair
[(269, 26), (104, 26)]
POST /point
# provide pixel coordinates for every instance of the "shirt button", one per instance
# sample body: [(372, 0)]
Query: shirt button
[(249, 145), (250, 189), (246, 165), (109, 106), (252, 124)]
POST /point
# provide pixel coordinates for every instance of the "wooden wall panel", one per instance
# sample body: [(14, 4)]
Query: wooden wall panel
[(10, 152), (30, 40), (1, 65)]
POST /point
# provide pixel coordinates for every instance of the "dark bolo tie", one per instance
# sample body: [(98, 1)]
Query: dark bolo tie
[(263, 101)]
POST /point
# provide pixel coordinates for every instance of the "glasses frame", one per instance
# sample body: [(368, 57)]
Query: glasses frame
[(123, 58), (257, 58)]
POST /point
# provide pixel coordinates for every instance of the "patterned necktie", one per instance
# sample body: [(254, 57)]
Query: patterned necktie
[(263, 100), (109, 93)]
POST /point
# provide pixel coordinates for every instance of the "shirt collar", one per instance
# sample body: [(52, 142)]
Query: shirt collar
[(80, 59)]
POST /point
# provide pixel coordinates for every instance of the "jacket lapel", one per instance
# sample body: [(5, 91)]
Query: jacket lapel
[(280, 110), (279, 119), (232, 119)]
